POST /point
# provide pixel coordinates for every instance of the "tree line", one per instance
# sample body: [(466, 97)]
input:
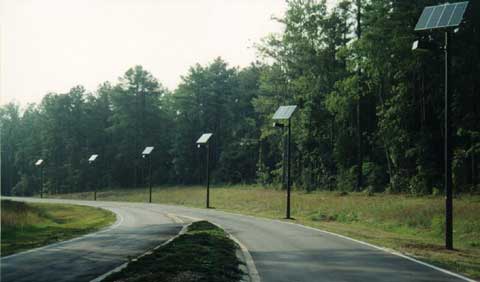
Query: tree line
[(369, 117)]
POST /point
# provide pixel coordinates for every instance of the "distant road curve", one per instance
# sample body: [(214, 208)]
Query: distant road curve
[(281, 251)]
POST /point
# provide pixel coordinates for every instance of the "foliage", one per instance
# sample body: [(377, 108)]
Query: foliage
[(370, 113)]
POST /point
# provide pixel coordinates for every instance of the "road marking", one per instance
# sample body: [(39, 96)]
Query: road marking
[(252, 269), (390, 251), (174, 218), (191, 218), (117, 223), (124, 265)]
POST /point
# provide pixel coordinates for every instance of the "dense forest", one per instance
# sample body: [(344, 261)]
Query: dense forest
[(369, 118)]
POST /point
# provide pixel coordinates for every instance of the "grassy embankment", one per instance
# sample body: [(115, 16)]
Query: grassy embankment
[(203, 253), (30, 225), (411, 225)]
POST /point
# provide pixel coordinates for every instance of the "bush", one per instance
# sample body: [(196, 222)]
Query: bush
[(24, 187)]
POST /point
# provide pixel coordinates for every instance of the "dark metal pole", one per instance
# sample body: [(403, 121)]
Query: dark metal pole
[(208, 177), (448, 154), (288, 169), (41, 181), (150, 176), (284, 159), (93, 181)]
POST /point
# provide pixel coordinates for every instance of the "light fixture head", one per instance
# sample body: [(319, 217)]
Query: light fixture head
[(278, 125), (424, 45)]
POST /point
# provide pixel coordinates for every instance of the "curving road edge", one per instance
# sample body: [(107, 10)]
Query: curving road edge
[(245, 256), (121, 267)]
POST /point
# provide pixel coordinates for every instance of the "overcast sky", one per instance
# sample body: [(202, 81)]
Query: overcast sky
[(53, 45)]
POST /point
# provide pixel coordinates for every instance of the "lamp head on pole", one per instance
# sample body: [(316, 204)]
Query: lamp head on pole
[(92, 158), (203, 140)]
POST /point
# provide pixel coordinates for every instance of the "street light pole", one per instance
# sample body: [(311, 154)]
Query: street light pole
[(208, 176), (93, 182), (91, 162), (203, 141), (147, 153), (39, 163), (150, 176), (41, 181), (285, 113), (446, 17), (289, 160), (448, 152)]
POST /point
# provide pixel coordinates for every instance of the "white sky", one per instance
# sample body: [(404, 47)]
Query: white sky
[(53, 45)]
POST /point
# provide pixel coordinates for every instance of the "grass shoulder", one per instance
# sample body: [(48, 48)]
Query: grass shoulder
[(30, 225), (203, 253)]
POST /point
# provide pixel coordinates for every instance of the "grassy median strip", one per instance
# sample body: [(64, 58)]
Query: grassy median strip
[(203, 253), (30, 225)]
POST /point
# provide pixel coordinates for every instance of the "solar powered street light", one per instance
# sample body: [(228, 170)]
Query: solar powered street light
[(147, 153), (285, 113), (39, 164), (203, 141), (445, 17), (91, 160)]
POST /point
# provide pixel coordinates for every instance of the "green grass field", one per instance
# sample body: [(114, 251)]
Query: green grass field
[(411, 225), (30, 225), (203, 253)]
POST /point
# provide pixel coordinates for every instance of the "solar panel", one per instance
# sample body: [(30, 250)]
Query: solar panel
[(147, 150), (284, 112), (423, 20), (457, 16), (446, 16), (92, 158), (435, 17), (442, 16), (39, 162), (204, 138)]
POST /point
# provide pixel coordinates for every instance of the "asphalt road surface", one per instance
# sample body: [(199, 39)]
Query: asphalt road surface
[(281, 251)]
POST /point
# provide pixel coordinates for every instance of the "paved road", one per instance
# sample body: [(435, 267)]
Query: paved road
[(281, 251)]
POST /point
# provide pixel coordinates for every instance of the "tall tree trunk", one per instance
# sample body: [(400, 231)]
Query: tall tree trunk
[(359, 129), (385, 145)]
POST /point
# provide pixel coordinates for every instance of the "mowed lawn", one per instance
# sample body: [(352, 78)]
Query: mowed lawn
[(411, 225), (30, 225)]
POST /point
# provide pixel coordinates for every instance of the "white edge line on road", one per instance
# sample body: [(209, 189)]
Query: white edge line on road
[(252, 269), (117, 223), (250, 263), (390, 251), (124, 265)]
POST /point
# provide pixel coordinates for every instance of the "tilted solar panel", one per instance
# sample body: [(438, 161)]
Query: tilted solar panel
[(204, 138), (147, 150), (441, 16), (284, 112)]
